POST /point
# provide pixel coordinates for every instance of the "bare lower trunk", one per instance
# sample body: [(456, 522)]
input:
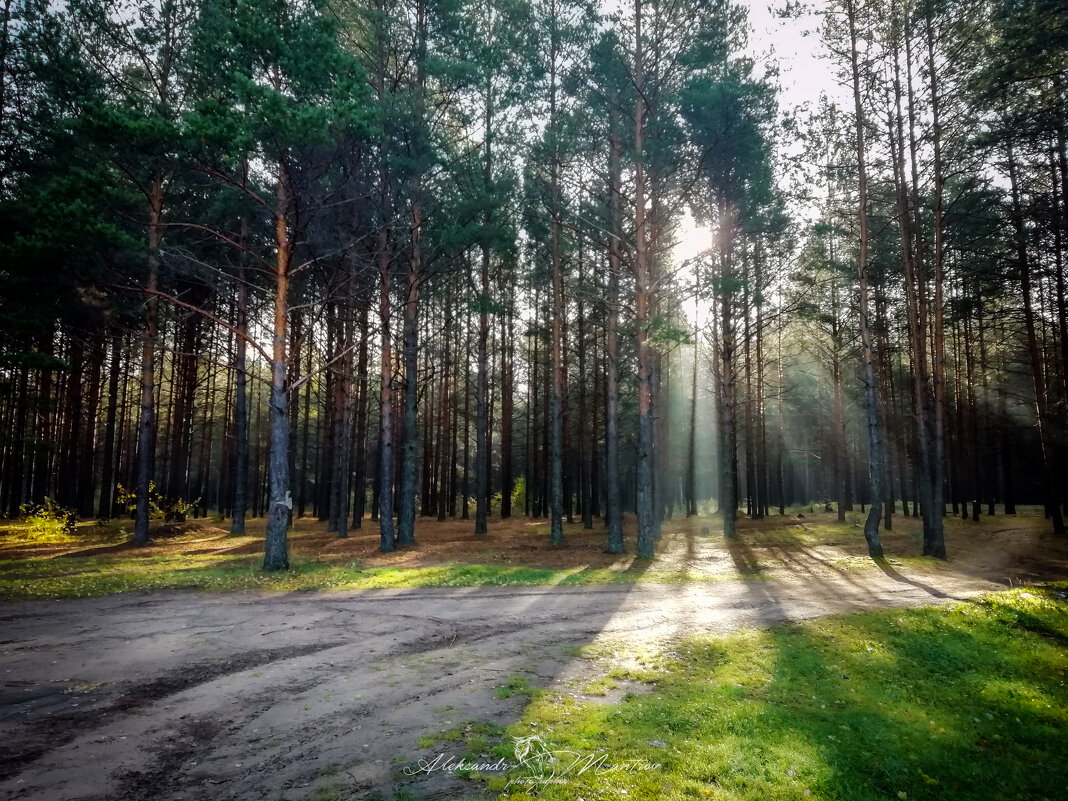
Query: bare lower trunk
[(359, 479), (876, 456), (387, 540), (556, 435), (406, 500), (643, 290), (1050, 486), (276, 550), (613, 510), (728, 496), (107, 489), (146, 432), (240, 499)]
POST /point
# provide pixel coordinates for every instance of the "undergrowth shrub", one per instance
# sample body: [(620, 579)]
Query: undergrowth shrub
[(47, 521)]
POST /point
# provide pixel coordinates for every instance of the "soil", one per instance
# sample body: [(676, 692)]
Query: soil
[(255, 696)]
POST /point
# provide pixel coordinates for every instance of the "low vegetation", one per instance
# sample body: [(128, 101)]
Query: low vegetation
[(47, 556), (942, 704)]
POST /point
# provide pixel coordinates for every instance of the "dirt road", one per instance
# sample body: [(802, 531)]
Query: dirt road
[(307, 696)]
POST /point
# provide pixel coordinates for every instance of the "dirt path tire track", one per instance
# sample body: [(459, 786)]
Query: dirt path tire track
[(259, 697)]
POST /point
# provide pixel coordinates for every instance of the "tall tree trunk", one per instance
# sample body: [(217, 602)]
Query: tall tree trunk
[(613, 506), (1050, 486), (410, 453), (343, 470), (556, 435), (934, 535), (359, 479), (276, 551), (508, 403), (146, 437), (465, 493), (728, 499), (646, 459), (241, 417), (447, 436), (581, 434), (107, 482), (71, 428), (387, 540), (87, 445), (876, 457), (482, 456)]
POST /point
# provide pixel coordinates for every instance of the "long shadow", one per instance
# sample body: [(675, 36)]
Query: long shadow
[(757, 590), (804, 559), (401, 666), (551, 625), (891, 573), (933, 705), (921, 744)]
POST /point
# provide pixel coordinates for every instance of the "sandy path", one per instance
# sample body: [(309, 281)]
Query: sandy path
[(256, 698)]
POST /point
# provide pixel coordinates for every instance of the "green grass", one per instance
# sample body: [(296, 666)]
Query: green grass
[(962, 703), (514, 685), (86, 576)]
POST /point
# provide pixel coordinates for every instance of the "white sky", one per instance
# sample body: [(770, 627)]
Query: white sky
[(796, 46)]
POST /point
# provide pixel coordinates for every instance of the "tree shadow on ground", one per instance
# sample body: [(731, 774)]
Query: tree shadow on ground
[(938, 704), (884, 566)]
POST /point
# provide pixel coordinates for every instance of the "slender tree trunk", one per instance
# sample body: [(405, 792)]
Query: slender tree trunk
[(613, 506), (276, 551), (465, 494), (1049, 472), (556, 436), (728, 500), (107, 483), (146, 437), (482, 455), (70, 430), (646, 459), (410, 453), (241, 417), (876, 455), (343, 445), (446, 437), (934, 536), (387, 540), (507, 403), (87, 445)]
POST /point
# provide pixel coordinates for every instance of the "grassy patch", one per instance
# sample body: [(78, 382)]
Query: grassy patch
[(86, 576), (601, 686), (514, 685), (948, 704), (477, 735)]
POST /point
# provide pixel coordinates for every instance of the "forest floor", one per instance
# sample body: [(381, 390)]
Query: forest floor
[(263, 695), (100, 559)]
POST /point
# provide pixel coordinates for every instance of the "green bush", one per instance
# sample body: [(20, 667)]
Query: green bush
[(159, 508), (48, 521)]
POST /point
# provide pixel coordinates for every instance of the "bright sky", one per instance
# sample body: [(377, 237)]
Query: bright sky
[(796, 46)]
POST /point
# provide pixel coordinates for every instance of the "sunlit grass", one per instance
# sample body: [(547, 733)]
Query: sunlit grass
[(964, 703), (86, 576)]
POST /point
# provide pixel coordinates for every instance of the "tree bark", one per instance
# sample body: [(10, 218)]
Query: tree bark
[(876, 454), (146, 437), (276, 551), (646, 459)]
